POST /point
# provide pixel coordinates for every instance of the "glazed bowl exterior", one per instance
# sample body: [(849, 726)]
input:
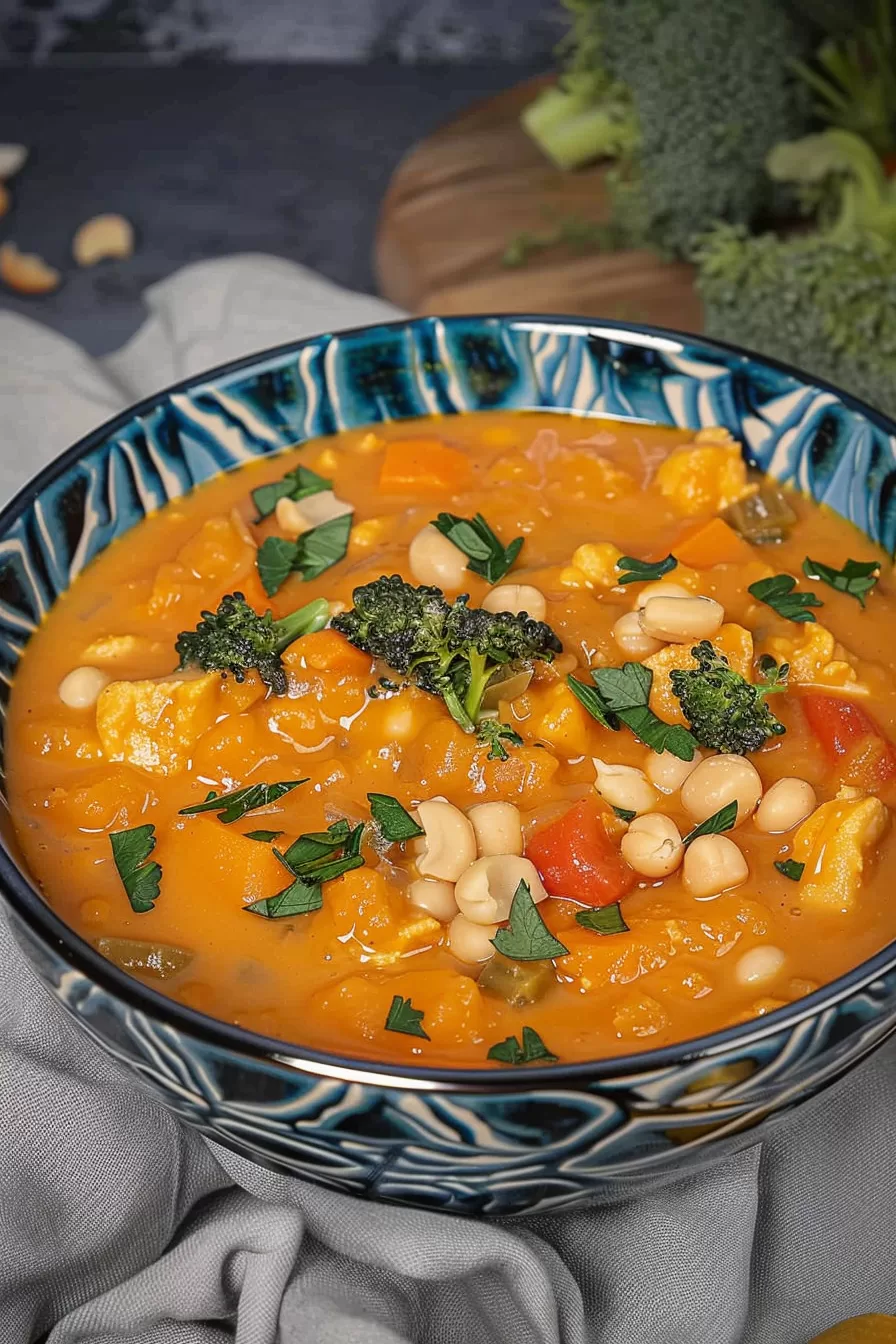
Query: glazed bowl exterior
[(476, 1141)]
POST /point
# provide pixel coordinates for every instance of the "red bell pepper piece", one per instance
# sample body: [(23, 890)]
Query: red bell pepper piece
[(576, 858), (850, 738)]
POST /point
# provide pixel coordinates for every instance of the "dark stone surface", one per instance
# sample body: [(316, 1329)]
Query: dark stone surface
[(210, 160)]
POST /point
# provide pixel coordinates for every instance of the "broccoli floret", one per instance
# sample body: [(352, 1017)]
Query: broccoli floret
[(827, 307), (842, 180), (714, 90), (725, 711), (493, 734), (446, 649), (236, 639)]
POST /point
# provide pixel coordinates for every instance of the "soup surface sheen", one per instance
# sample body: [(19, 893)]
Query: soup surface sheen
[(716, 933)]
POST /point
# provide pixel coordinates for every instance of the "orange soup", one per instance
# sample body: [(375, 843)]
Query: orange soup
[(490, 739)]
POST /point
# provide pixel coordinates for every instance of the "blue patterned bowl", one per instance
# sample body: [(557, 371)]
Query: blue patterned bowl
[(470, 1141)]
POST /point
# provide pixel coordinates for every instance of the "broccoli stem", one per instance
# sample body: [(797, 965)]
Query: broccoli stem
[(480, 675), (570, 129), (313, 616)]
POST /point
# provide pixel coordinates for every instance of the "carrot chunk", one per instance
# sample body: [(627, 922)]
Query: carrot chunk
[(425, 466), (713, 543)]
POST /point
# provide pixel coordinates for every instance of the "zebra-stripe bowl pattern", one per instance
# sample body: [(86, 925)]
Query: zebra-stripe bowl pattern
[(471, 1141)]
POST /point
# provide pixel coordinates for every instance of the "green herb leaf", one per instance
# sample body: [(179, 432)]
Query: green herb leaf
[(404, 1017), (527, 937), (316, 845), (604, 919), (275, 560), (625, 692), (624, 813), (790, 868), (644, 571), (266, 837), (479, 543), (723, 820), (297, 899), (857, 577), (140, 878), (297, 484), (779, 593), (593, 701), (314, 857), (493, 734), (532, 1051), (322, 546), (234, 805), (393, 821)]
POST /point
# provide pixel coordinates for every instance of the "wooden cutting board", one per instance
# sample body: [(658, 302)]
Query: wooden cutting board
[(457, 199)]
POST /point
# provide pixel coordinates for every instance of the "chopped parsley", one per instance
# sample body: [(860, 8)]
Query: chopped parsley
[(295, 485), (321, 856), (309, 555), (603, 919), (140, 876), (790, 868), (526, 937), (299, 898), (493, 735), (723, 820), (479, 544), (233, 806), (393, 821), (644, 571), (532, 1050), (781, 594), (621, 695), (857, 577), (404, 1017)]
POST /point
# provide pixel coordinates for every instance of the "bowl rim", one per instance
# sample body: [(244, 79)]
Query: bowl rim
[(39, 917)]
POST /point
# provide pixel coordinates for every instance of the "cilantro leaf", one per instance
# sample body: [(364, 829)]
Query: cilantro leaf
[(479, 543), (593, 701), (644, 571), (299, 898), (532, 1051), (857, 577), (526, 937), (393, 821), (266, 837), (790, 868), (297, 484), (140, 878), (309, 555), (493, 734), (625, 692), (723, 820), (233, 806), (778, 592), (404, 1017), (603, 919)]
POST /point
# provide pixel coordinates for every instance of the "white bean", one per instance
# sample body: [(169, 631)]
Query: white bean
[(720, 780), (678, 620), (82, 686), (497, 828), (624, 786), (631, 638), (516, 597), (652, 845), (659, 589), (469, 942), (759, 964), (713, 864), (485, 891), (449, 845), (785, 805), (323, 507), (434, 896), (667, 772), (434, 559)]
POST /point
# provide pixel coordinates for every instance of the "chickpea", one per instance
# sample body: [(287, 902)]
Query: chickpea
[(624, 786), (678, 620), (652, 845), (759, 964), (631, 638), (659, 589), (82, 686), (290, 518), (469, 942), (517, 597), (484, 892), (433, 558), (667, 772), (497, 828), (785, 805), (713, 864), (449, 845), (719, 780), (434, 896)]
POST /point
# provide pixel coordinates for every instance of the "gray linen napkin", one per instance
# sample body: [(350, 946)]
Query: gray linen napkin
[(118, 1225)]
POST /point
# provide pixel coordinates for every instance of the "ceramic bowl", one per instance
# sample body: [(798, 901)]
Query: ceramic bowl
[(473, 1141)]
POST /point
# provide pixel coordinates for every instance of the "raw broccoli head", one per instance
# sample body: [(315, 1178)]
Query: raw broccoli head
[(725, 711), (236, 639), (448, 649)]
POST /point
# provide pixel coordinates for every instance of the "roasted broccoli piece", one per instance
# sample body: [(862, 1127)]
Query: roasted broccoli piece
[(236, 639), (827, 307), (714, 90), (725, 711), (450, 650), (493, 734)]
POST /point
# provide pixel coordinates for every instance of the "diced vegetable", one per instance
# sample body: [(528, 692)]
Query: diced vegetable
[(763, 517), (714, 543), (423, 467), (160, 960), (851, 739), (834, 845), (576, 858), (517, 983)]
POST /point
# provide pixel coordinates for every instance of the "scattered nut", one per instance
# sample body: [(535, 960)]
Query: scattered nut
[(12, 158), (103, 237), (26, 272)]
